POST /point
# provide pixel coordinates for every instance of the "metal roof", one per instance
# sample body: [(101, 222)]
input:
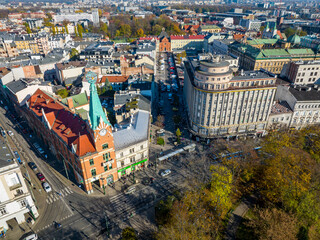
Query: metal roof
[(134, 133)]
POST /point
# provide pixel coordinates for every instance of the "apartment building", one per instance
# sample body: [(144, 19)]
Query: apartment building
[(209, 29), (180, 43), (304, 102), (98, 51), (251, 24), (85, 147), (15, 199), (280, 116), (302, 72), (132, 143), (69, 72), (310, 42), (220, 104), (37, 45)]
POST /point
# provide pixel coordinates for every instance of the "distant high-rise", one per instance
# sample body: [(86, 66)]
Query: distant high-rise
[(95, 17)]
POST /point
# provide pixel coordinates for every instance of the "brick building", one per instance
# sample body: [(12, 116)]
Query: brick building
[(164, 42), (85, 147)]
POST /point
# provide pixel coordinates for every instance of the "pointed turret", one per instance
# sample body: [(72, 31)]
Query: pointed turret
[(96, 113)]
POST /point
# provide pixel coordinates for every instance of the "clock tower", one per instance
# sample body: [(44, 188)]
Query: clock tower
[(98, 120), (101, 165)]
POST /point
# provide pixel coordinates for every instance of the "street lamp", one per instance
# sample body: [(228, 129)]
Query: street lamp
[(103, 186), (30, 209), (107, 224), (133, 177)]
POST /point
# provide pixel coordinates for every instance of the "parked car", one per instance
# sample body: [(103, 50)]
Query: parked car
[(165, 172), (32, 236), (41, 177), (46, 187), (33, 166), (130, 190), (16, 154)]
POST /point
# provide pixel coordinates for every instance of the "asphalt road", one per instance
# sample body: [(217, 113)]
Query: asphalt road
[(84, 216)]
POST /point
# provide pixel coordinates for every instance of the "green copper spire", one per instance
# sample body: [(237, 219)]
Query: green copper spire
[(96, 113)]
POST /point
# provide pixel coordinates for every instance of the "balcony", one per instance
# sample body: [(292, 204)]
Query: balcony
[(15, 186)]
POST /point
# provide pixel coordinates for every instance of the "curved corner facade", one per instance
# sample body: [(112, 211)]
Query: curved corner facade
[(221, 104)]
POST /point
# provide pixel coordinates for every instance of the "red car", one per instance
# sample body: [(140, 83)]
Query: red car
[(171, 67), (41, 177)]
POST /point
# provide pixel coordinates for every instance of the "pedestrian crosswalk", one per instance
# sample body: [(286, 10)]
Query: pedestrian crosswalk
[(57, 195)]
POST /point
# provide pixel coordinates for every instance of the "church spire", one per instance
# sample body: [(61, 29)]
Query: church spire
[(96, 113)]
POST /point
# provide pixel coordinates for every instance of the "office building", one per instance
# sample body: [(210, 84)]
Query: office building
[(220, 104)]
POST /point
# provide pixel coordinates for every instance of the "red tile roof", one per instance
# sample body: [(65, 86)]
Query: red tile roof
[(173, 37), (71, 128), (280, 34), (114, 79), (148, 38), (238, 36)]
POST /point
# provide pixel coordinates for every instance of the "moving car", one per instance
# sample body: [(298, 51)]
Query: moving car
[(41, 177), (165, 172), (46, 187), (10, 133), (33, 166)]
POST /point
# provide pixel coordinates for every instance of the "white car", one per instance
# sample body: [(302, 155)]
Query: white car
[(46, 187), (165, 172), (32, 236), (10, 133)]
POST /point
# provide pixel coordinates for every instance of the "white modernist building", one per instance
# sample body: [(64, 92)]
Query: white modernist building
[(220, 104), (15, 199)]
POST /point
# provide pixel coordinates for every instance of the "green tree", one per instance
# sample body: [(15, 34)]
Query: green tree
[(125, 30), (160, 141), (53, 30), (273, 224), (178, 134), (80, 30), (220, 188), (128, 234), (104, 28), (140, 32), (67, 30), (63, 93), (28, 30), (74, 54)]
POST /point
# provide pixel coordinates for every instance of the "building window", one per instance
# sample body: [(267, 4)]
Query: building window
[(91, 162), (23, 203), (122, 163), (104, 146), (105, 168), (132, 150), (106, 157), (132, 159), (141, 147), (110, 166), (121, 154), (93, 172), (3, 211)]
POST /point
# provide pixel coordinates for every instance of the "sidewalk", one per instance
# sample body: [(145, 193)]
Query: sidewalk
[(237, 216)]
